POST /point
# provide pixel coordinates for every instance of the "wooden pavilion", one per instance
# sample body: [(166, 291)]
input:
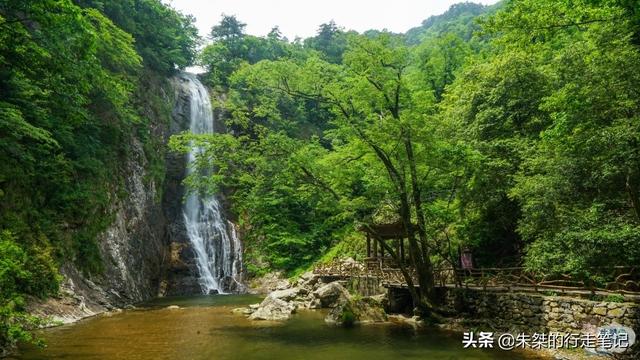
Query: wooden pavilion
[(393, 232)]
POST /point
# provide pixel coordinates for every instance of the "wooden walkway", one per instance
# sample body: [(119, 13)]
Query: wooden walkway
[(625, 281)]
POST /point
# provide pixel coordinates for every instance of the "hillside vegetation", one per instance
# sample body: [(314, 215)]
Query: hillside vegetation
[(511, 130), (77, 81)]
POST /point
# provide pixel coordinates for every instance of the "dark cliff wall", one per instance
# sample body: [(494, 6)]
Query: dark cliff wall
[(136, 249), (181, 276)]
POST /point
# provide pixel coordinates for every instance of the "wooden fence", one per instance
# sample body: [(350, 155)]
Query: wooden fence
[(620, 280)]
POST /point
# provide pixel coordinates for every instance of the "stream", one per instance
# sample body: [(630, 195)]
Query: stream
[(204, 328)]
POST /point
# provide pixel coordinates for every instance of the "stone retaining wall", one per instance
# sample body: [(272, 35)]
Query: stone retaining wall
[(529, 313), (365, 285), (539, 312)]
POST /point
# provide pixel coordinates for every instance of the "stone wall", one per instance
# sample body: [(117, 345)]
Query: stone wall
[(531, 312), (538, 312), (365, 285)]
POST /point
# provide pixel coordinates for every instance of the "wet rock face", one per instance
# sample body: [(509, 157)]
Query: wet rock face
[(143, 251), (133, 248), (181, 276)]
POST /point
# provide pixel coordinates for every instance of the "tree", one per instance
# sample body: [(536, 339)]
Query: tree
[(229, 29), (379, 146), (547, 108), (231, 48), (330, 41), (164, 38)]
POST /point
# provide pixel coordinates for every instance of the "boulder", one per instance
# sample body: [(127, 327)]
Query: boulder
[(269, 282), (314, 304), (381, 299), (356, 311), (273, 309), (331, 295), (285, 294), (308, 279), (283, 284)]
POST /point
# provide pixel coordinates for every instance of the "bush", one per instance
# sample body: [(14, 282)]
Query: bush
[(587, 251), (347, 317), (615, 298), (22, 272)]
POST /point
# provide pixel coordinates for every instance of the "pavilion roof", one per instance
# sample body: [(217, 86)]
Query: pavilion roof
[(385, 231)]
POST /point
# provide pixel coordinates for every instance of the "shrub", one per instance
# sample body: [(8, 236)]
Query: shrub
[(22, 272)]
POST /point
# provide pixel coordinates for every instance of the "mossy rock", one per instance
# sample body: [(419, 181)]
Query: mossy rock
[(357, 311)]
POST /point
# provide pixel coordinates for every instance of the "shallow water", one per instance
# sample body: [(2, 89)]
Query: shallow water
[(205, 328)]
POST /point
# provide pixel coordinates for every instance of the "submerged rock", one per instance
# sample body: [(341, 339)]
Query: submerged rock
[(243, 311), (414, 321)]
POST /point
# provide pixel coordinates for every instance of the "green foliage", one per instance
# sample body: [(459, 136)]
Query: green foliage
[(614, 298), (164, 38), (460, 21), (231, 48), (554, 115), (74, 92), (301, 166), (66, 88), (347, 317), (22, 272), (522, 120), (331, 42)]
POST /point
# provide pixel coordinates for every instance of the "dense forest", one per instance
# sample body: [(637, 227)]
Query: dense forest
[(513, 130)]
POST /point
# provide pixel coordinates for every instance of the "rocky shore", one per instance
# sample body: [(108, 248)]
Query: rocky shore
[(311, 292)]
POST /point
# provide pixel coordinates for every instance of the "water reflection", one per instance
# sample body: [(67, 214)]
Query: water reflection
[(205, 328)]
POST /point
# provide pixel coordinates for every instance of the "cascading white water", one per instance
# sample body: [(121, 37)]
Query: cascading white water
[(214, 239)]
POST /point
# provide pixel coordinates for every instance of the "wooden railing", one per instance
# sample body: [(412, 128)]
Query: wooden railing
[(340, 269), (622, 280)]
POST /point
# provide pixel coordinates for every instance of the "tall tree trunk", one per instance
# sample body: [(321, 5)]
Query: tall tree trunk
[(425, 271), (634, 194)]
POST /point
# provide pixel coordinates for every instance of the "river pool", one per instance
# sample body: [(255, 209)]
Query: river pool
[(205, 328)]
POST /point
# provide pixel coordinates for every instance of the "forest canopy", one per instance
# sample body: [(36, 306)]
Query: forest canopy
[(510, 129)]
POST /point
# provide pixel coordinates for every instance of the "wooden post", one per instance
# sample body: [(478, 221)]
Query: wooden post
[(398, 249), (368, 246), (402, 250), (382, 250), (375, 247)]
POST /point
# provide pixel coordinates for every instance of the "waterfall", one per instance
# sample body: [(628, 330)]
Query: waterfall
[(217, 248)]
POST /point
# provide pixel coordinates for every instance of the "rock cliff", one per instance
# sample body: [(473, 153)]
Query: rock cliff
[(145, 252)]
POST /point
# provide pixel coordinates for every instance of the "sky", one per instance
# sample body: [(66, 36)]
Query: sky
[(302, 18)]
